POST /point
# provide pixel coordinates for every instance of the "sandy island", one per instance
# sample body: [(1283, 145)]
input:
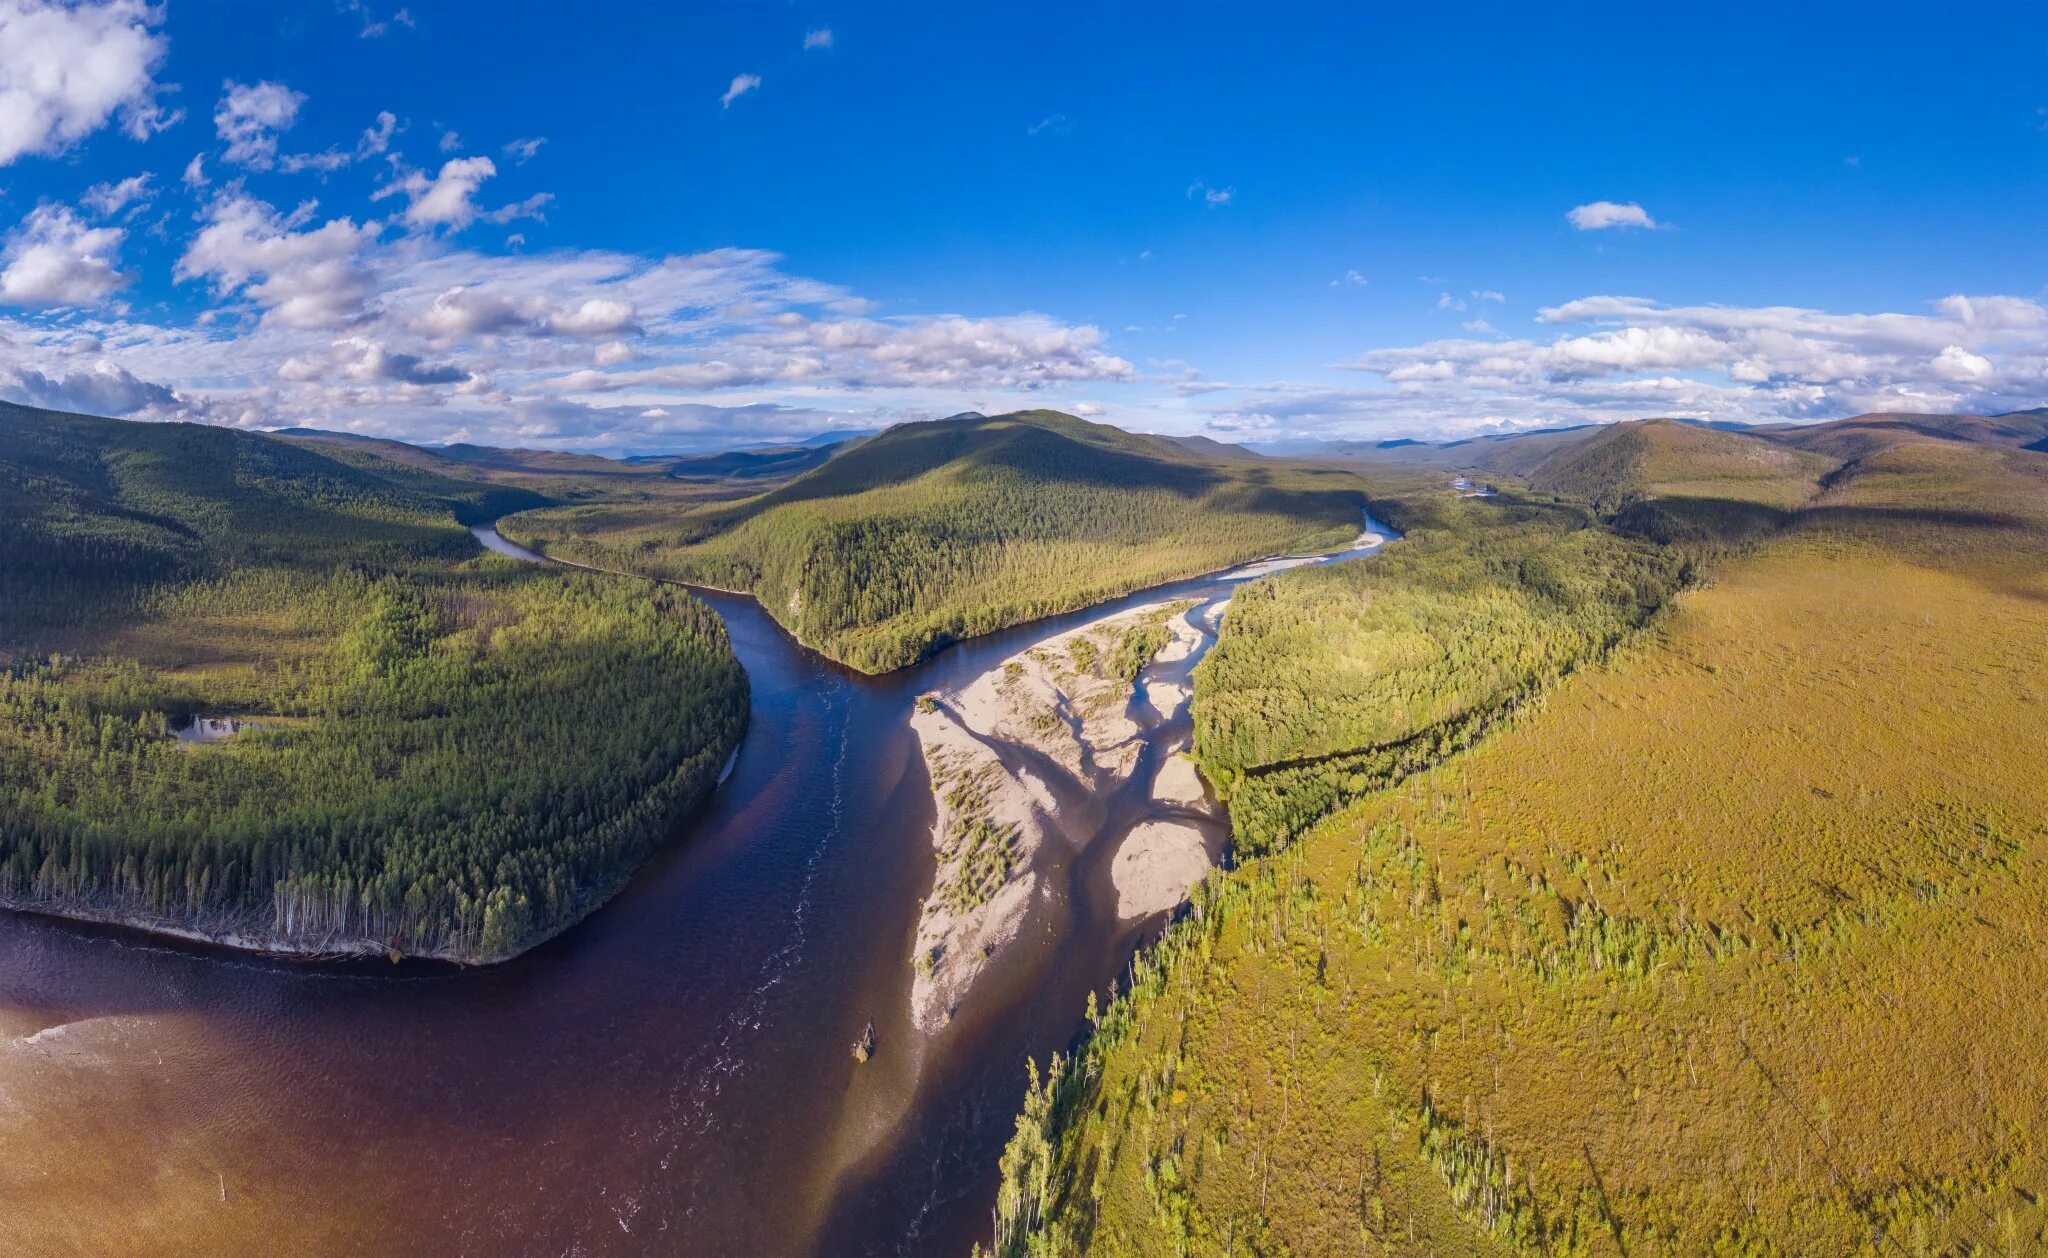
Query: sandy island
[(1070, 713), (1062, 707)]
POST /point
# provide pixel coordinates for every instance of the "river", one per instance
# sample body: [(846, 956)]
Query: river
[(673, 1075)]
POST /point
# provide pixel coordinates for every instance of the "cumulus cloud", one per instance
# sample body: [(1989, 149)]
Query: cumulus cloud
[(522, 151), (55, 259), (741, 85), (368, 360), (67, 69), (322, 319), (1632, 356), (195, 171), (1599, 215), (251, 116), (1956, 363), (461, 314), (448, 199), (1022, 352), (818, 37), (1212, 197), (311, 278), (109, 199), (105, 388)]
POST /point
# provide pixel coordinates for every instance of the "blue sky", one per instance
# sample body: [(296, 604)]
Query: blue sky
[(677, 226)]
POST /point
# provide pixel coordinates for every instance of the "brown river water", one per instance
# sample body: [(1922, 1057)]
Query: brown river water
[(673, 1075)]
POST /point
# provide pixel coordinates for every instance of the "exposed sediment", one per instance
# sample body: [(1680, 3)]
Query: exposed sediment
[(1053, 720)]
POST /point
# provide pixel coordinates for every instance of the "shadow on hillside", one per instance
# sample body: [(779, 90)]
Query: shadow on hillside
[(1879, 520)]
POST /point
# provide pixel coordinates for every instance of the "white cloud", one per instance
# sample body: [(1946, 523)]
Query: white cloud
[(741, 85), (1596, 215), (465, 313), (251, 116), (109, 199), (1973, 353), (1212, 197), (302, 279), (195, 171), (1022, 352), (364, 359), (104, 388), (374, 26), (1487, 294), (448, 199), (1994, 313), (1956, 363), (522, 151), (377, 137), (819, 37), (55, 259), (375, 141), (1051, 124), (450, 142), (66, 69), (1351, 278)]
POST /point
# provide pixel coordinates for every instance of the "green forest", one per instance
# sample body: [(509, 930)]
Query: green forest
[(934, 532), (452, 753), (1330, 680)]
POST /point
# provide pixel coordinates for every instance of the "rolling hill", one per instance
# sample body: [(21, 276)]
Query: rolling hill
[(1719, 938), (936, 531), (446, 753)]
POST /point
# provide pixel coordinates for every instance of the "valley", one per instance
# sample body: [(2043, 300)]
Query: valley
[(1413, 872)]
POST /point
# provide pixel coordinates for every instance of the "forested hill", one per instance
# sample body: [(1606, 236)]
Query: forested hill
[(932, 532), (452, 753), (114, 506)]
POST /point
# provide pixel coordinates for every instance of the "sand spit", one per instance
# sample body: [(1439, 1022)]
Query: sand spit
[(1061, 708), (1267, 567), (1158, 865), (1179, 782)]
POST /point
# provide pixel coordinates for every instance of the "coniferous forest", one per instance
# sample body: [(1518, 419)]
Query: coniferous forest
[(440, 752), (938, 531)]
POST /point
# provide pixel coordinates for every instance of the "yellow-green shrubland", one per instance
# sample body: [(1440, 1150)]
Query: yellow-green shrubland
[(1730, 943)]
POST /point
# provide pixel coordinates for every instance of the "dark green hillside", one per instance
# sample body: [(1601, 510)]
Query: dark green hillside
[(933, 532), (458, 754)]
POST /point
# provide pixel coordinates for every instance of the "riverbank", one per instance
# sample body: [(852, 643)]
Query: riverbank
[(238, 937)]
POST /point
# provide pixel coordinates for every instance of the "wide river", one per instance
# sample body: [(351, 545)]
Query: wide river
[(673, 1075)]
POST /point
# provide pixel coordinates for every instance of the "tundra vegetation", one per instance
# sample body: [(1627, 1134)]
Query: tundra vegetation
[(1655, 868), (934, 532), (459, 755)]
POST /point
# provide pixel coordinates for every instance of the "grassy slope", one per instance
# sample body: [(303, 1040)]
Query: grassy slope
[(938, 531), (466, 753), (1728, 946)]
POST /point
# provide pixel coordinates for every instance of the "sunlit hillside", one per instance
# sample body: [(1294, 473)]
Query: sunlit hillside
[(1727, 944), (938, 531)]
